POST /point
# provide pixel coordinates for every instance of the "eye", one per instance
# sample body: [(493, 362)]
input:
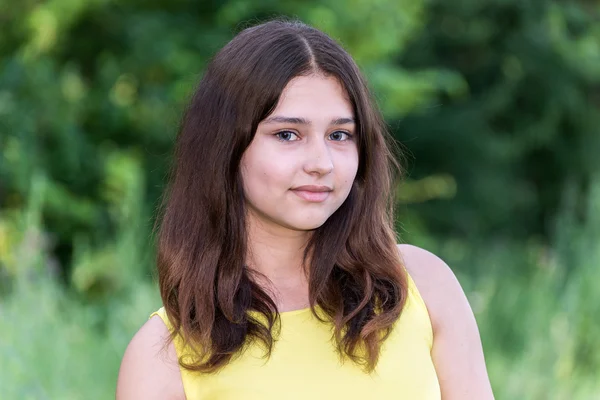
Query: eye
[(338, 136), (286, 136)]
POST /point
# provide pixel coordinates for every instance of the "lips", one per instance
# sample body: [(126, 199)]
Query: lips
[(313, 188), (312, 193)]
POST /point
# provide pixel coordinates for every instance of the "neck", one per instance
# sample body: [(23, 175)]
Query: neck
[(276, 252)]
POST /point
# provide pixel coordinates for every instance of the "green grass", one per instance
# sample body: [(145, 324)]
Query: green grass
[(537, 309)]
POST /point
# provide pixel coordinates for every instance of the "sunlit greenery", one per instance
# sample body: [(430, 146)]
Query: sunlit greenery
[(496, 102)]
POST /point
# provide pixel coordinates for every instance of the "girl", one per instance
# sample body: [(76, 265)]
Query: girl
[(278, 267)]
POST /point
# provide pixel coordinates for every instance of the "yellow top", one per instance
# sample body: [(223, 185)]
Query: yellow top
[(304, 364)]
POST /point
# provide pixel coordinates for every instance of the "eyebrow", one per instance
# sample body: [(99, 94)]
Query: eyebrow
[(304, 121)]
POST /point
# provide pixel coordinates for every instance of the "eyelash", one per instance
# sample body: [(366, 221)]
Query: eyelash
[(349, 135)]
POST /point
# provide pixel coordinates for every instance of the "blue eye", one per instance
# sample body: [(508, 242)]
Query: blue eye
[(339, 136), (286, 136)]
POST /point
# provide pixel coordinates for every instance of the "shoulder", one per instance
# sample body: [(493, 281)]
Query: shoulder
[(457, 351), (437, 284), (149, 369)]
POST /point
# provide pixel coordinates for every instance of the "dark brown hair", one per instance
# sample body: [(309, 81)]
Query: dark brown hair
[(355, 274)]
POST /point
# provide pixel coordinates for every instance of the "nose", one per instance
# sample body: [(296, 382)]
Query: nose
[(318, 158)]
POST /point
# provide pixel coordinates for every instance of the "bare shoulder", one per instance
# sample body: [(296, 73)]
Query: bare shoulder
[(422, 263), (436, 282), (150, 369), (457, 351)]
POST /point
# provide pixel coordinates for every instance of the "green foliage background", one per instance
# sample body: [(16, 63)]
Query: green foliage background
[(496, 102)]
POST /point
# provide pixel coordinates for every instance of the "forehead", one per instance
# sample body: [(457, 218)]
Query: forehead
[(315, 95)]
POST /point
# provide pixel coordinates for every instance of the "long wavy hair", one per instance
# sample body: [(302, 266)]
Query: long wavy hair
[(355, 273)]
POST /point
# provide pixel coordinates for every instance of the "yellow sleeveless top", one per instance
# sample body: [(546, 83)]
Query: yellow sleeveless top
[(304, 364)]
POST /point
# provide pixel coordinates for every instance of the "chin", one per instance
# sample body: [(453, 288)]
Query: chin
[(309, 225)]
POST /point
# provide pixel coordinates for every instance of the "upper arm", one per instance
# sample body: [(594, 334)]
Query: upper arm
[(150, 370), (457, 351)]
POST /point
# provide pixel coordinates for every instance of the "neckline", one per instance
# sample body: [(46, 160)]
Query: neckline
[(289, 313), (294, 312)]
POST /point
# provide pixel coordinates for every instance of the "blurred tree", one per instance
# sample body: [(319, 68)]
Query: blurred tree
[(496, 100), (530, 124)]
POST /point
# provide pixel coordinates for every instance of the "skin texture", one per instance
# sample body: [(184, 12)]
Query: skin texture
[(286, 155), (457, 351), (317, 149), (149, 370), (314, 151)]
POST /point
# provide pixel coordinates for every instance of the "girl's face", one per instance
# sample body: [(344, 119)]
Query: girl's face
[(300, 166)]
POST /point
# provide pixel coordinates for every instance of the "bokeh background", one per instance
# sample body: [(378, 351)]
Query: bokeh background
[(497, 105)]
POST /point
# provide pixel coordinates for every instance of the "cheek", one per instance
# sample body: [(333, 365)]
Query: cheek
[(265, 171), (348, 167)]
